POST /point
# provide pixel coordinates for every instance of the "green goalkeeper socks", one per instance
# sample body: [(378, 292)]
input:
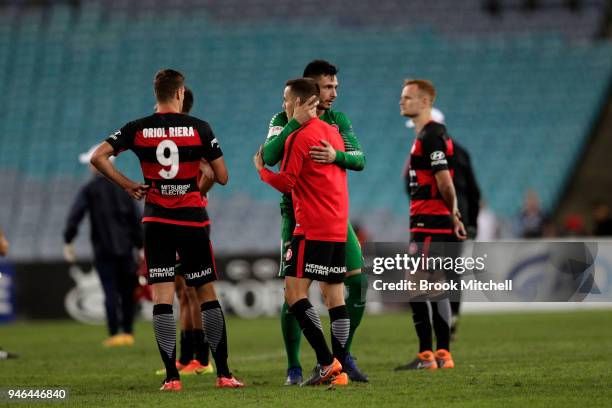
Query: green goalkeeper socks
[(292, 334), (357, 286)]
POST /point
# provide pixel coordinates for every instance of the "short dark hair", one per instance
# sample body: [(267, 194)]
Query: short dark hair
[(167, 82), (303, 88), (188, 101), (319, 67)]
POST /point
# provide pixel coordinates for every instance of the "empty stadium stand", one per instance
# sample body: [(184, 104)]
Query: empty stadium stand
[(520, 90)]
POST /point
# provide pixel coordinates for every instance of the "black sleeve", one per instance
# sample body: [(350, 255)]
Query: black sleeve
[(123, 139), (75, 216), (212, 149), (434, 147)]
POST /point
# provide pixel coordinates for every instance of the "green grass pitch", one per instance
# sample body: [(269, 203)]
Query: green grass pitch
[(520, 360)]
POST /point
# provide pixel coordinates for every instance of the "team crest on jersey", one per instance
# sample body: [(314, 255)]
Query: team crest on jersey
[(275, 131), (288, 255), (437, 155)]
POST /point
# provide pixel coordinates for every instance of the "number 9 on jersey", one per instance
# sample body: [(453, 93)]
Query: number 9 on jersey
[(172, 160)]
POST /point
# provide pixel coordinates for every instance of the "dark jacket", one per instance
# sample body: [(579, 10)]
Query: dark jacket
[(466, 186), (113, 215)]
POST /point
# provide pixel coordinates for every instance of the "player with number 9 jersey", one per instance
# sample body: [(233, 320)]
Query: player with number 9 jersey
[(170, 147)]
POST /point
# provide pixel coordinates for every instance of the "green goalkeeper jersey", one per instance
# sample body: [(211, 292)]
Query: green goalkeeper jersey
[(280, 129)]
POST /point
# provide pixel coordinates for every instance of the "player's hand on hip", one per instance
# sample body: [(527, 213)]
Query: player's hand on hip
[(69, 253), (137, 191), (459, 229), (303, 112), (258, 159), (323, 154)]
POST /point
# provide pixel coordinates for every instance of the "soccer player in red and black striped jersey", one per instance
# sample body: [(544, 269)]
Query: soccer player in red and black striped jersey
[(434, 216), (317, 250), (193, 357), (170, 146)]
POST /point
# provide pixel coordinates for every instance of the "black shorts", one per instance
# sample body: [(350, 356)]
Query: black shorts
[(323, 261), (429, 244), (436, 246), (178, 269), (163, 241)]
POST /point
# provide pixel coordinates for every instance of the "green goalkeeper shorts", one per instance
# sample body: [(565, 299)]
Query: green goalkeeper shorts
[(354, 258)]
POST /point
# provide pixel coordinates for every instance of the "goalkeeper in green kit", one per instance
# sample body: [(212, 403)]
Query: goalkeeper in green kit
[(324, 74)]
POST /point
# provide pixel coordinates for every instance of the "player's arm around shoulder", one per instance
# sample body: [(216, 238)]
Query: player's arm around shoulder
[(278, 131), (274, 147), (353, 157)]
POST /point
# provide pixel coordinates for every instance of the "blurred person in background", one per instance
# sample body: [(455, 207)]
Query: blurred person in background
[(573, 226), (550, 229), (115, 234), (531, 219), (468, 201), (488, 226), (468, 192), (4, 248), (602, 220)]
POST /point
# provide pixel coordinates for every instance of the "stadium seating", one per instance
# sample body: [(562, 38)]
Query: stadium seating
[(522, 100)]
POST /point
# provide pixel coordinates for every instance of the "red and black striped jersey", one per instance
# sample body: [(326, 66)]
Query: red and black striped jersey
[(170, 147), (431, 152)]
